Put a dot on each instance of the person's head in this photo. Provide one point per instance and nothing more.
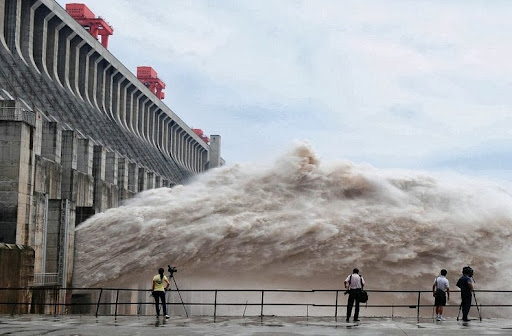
(444, 272)
(161, 272)
(467, 271)
(355, 270)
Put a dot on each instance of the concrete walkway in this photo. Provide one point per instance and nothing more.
(25, 325)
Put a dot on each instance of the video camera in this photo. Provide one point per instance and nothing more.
(171, 270)
(467, 270)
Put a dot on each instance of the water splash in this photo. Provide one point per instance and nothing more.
(302, 223)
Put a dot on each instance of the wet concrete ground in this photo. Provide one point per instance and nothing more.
(25, 325)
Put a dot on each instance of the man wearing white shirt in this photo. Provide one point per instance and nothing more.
(441, 291)
(354, 284)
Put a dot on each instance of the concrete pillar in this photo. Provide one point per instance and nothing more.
(111, 167)
(51, 141)
(122, 178)
(158, 181)
(133, 177)
(142, 179)
(85, 156)
(214, 151)
(69, 161)
(150, 184)
(98, 171)
(16, 167)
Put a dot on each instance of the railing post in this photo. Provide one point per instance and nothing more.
(98, 305)
(117, 299)
(261, 312)
(215, 307)
(418, 307)
(56, 300)
(336, 308)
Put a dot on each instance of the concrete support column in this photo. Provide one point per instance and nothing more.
(51, 141)
(143, 172)
(69, 161)
(133, 177)
(28, 46)
(85, 156)
(111, 167)
(214, 151)
(150, 184)
(16, 170)
(158, 181)
(122, 178)
(98, 171)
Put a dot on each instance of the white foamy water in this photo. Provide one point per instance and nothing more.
(302, 223)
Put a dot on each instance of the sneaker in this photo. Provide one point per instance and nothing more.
(357, 320)
(442, 318)
(347, 320)
(167, 316)
(438, 318)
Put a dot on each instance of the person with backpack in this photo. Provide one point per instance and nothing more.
(441, 291)
(354, 284)
(160, 285)
(465, 283)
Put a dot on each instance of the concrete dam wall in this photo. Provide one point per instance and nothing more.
(79, 133)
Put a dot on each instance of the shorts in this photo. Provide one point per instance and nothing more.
(440, 298)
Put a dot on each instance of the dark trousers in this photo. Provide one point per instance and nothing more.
(465, 304)
(159, 296)
(353, 296)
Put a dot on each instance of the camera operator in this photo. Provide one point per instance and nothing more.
(465, 283)
(354, 284)
(158, 291)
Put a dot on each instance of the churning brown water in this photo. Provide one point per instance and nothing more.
(302, 223)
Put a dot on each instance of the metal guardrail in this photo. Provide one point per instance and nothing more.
(46, 279)
(408, 299)
(18, 114)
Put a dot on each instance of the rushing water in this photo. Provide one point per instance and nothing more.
(302, 223)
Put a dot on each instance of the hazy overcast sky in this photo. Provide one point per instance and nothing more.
(400, 83)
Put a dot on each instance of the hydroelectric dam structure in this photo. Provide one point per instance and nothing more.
(79, 133)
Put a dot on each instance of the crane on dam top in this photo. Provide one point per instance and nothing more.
(95, 25)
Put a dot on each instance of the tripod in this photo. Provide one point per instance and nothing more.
(171, 271)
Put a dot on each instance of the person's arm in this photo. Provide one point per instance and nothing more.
(153, 285)
(434, 287)
(347, 282)
(448, 293)
(470, 285)
(168, 283)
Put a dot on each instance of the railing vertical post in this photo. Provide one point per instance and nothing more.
(117, 300)
(56, 300)
(99, 299)
(418, 309)
(215, 307)
(262, 295)
(336, 308)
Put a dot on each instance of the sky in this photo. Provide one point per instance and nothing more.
(423, 85)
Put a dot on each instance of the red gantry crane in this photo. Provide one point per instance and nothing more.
(95, 25)
(148, 76)
(200, 133)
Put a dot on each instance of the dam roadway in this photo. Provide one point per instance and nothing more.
(245, 326)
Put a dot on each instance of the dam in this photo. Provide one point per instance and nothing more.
(79, 134)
